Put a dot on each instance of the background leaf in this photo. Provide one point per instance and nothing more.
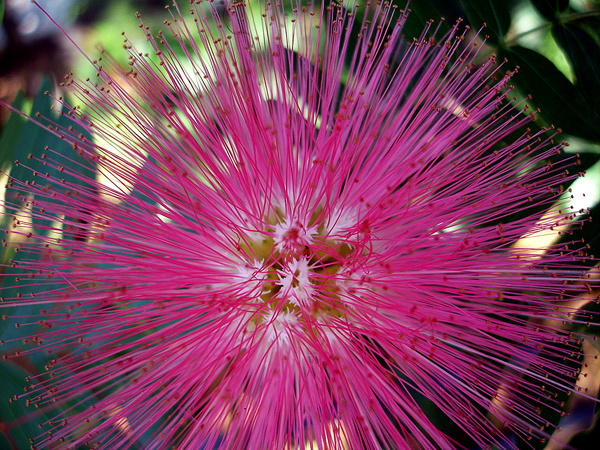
(21, 138)
(11, 133)
(18, 421)
(420, 13)
(561, 103)
(584, 54)
(494, 13)
(550, 8)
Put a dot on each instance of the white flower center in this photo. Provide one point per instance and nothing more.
(295, 283)
(297, 274)
(293, 235)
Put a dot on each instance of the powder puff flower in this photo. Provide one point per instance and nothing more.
(285, 254)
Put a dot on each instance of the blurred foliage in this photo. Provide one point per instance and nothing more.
(556, 55)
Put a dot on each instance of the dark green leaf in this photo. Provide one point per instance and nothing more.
(495, 14)
(21, 422)
(26, 138)
(420, 13)
(561, 103)
(20, 139)
(11, 134)
(550, 8)
(589, 23)
(32, 137)
(584, 54)
(1, 10)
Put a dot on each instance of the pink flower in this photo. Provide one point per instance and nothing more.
(285, 254)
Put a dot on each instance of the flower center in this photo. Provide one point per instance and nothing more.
(297, 274)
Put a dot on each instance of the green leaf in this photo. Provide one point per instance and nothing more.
(550, 8)
(20, 139)
(420, 13)
(584, 54)
(1, 10)
(20, 422)
(561, 103)
(495, 14)
(589, 233)
(11, 134)
(32, 137)
(23, 138)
